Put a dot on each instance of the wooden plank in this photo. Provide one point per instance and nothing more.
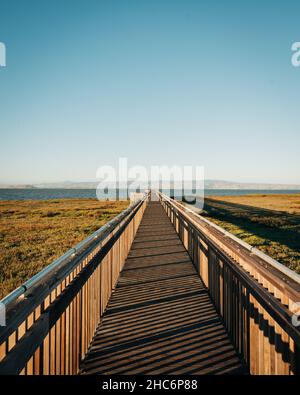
(160, 314)
(25, 348)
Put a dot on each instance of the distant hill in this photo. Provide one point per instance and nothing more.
(208, 184)
(17, 186)
(219, 184)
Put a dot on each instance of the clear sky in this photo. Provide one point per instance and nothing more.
(160, 81)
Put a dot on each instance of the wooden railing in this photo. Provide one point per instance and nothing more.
(254, 298)
(51, 319)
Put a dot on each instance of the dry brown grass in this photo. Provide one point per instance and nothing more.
(269, 222)
(35, 232)
(285, 203)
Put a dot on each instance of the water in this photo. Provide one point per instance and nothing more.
(55, 193)
(240, 192)
(44, 194)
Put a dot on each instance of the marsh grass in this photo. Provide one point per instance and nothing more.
(35, 232)
(269, 222)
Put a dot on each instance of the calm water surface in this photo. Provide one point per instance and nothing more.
(44, 194)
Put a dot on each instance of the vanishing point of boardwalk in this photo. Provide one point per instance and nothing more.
(160, 319)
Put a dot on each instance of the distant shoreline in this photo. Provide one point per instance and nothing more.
(70, 193)
(208, 184)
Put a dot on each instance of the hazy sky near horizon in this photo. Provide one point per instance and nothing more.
(170, 82)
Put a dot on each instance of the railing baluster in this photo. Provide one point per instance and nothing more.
(242, 291)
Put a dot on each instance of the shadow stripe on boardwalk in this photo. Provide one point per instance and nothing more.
(160, 319)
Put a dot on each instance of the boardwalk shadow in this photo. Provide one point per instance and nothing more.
(270, 225)
(160, 319)
(162, 333)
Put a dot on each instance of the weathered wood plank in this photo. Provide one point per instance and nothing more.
(160, 318)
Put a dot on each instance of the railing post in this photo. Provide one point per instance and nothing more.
(255, 304)
(65, 302)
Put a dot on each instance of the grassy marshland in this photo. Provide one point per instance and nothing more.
(35, 232)
(269, 222)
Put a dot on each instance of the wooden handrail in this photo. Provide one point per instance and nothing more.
(52, 320)
(253, 299)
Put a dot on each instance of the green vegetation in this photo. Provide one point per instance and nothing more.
(269, 222)
(34, 232)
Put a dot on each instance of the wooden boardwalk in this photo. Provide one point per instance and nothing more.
(160, 319)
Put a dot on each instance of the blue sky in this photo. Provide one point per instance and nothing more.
(160, 82)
